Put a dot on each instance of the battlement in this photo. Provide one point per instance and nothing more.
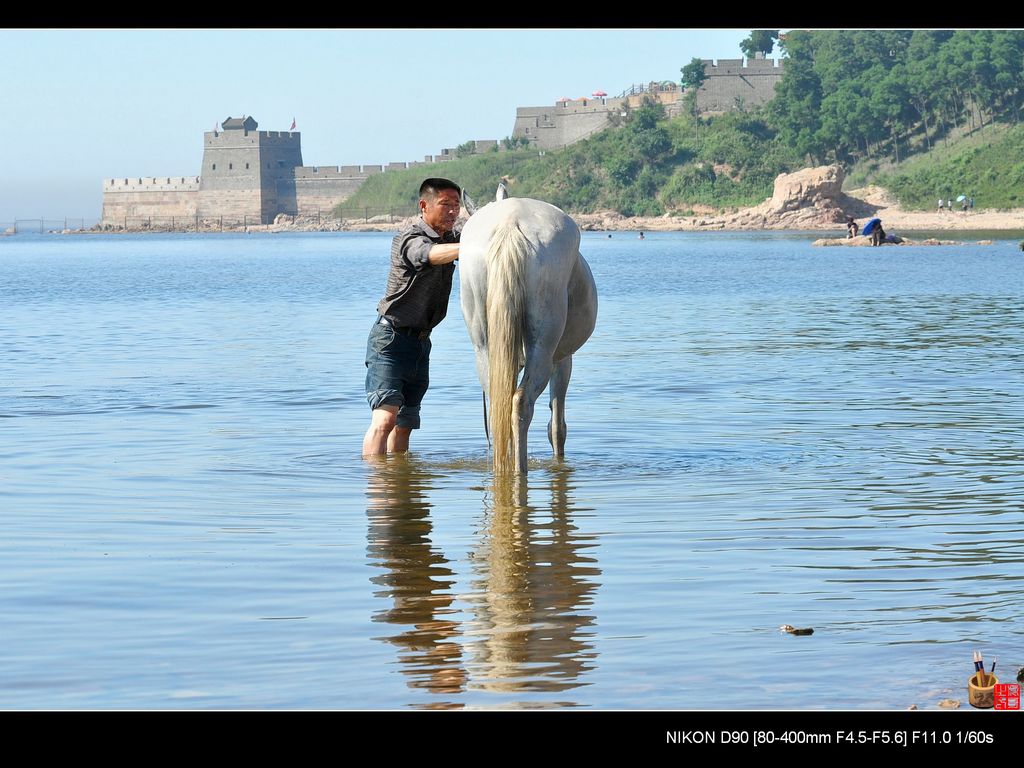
(242, 138)
(345, 171)
(732, 85)
(151, 184)
(290, 135)
(736, 67)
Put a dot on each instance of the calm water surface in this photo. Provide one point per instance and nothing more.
(760, 433)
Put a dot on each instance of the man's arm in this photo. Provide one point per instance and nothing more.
(418, 252)
(443, 254)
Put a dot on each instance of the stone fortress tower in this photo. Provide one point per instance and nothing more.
(248, 173)
(248, 177)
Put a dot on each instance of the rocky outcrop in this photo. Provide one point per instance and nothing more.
(864, 240)
(807, 199)
(810, 188)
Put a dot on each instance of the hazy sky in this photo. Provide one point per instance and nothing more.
(81, 105)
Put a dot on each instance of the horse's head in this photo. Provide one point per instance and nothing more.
(470, 207)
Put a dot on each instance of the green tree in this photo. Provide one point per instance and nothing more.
(693, 74)
(795, 111)
(515, 142)
(694, 77)
(465, 150)
(760, 41)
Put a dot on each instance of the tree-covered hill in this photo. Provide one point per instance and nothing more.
(646, 166)
(924, 113)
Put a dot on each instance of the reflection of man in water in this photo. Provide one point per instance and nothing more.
(415, 576)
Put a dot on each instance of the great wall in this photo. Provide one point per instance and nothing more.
(252, 176)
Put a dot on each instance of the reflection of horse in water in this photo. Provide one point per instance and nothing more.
(532, 607)
(526, 624)
(529, 301)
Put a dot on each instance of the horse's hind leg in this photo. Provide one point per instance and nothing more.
(535, 378)
(557, 389)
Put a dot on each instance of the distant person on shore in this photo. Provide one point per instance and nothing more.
(942, 205)
(851, 228)
(971, 201)
(874, 229)
(415, 300)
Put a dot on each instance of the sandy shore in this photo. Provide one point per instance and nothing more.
(893, 219)
(862, 204)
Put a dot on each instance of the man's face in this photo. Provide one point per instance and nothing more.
(441, 211)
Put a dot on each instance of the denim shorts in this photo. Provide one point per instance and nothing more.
(397, 372)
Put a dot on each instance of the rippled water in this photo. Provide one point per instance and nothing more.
(760, 433)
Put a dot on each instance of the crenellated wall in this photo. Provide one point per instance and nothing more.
(732, 85)
(566, 122)
(319, 188)
(154, 196)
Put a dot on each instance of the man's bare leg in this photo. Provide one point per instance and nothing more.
(398, 440)
(382, 425)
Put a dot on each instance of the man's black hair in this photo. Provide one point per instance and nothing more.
(431, 187)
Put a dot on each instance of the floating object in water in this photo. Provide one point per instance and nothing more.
(794, 631)
(950, 704)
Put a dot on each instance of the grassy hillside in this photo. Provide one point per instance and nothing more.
(870, 100)
(988, 165)
(479, 175)
(651, 166)
(647, 166)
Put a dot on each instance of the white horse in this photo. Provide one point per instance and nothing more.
(529, 301)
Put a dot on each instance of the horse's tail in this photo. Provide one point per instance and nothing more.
(506, 312)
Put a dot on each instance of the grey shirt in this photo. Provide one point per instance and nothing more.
(417, 291)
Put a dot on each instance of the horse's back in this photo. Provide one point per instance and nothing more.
(552, 233)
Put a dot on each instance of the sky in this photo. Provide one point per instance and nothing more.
(81, 105)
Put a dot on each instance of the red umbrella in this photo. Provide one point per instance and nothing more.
(599, 93)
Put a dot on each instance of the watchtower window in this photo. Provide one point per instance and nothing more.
(215, 166)
(247, 166)
(280, 163)
(231, 166)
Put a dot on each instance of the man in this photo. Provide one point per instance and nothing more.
(416, 299)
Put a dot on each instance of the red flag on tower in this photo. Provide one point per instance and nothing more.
(293, 125)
